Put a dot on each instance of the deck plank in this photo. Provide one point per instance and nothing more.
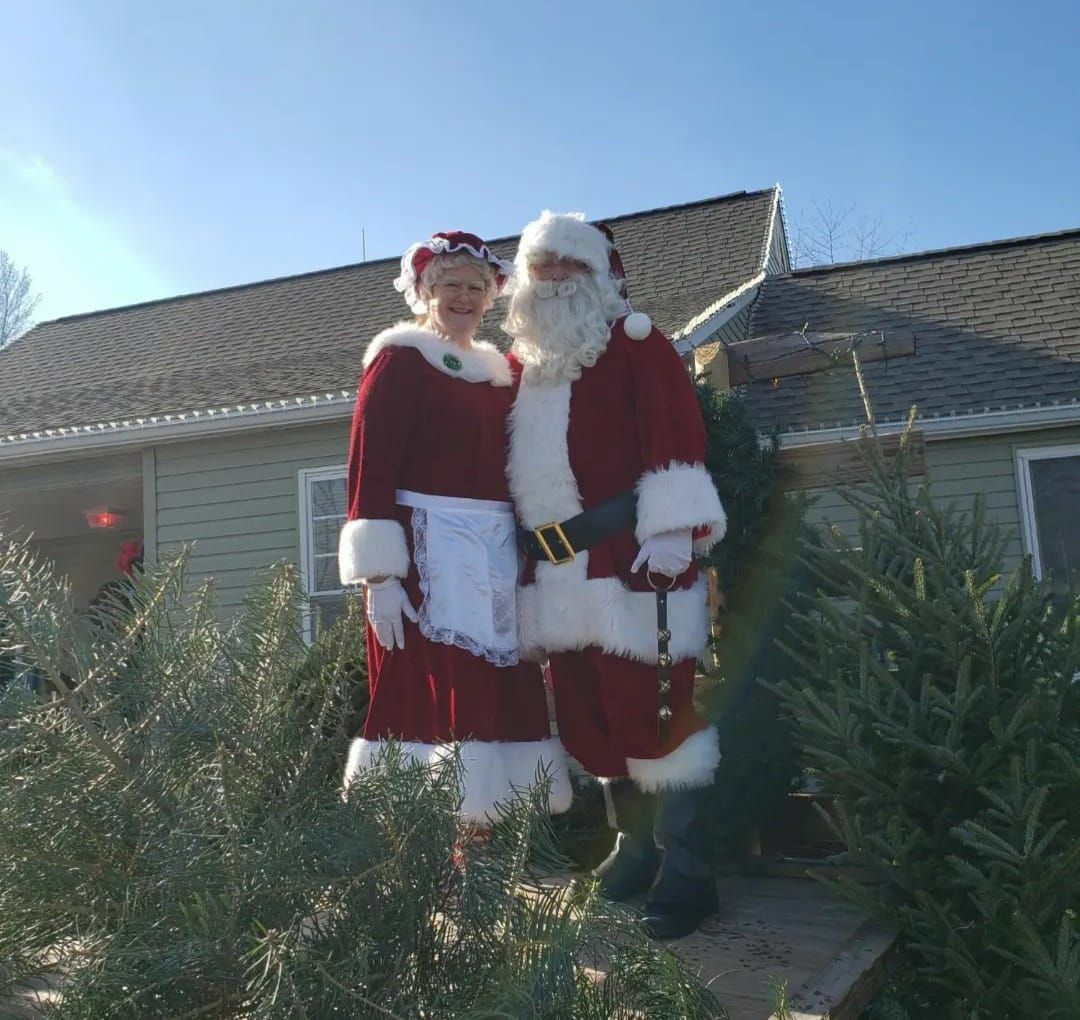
(790, 931)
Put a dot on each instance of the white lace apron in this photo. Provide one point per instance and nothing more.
(466, 553)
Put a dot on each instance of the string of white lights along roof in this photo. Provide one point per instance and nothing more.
(151, 421)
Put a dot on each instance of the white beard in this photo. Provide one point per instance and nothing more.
(560, 328)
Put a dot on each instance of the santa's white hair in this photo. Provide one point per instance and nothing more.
(561, 327)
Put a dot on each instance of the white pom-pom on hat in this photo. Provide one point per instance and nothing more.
(637, 325)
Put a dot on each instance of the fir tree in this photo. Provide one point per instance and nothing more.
(171, 828)
(937, 699)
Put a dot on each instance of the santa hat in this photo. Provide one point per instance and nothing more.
(568, 236)
(448, 242)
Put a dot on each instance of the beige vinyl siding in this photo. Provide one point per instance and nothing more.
(960, 468)
(69, 473)
(828, 509)
(235, 499)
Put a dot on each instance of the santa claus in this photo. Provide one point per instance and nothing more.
(606, 469)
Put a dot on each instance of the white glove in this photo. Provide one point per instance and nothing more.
(386, 602)
(669, 552)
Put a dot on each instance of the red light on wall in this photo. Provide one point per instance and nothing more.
(104, 518)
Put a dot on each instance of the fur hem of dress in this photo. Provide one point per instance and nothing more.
(372, 548)
(491, 773)
(483, 362)
(690, 765)
(565, 611)
(680, 496)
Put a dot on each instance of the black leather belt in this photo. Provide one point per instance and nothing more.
(560, 542)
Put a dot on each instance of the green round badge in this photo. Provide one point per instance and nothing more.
(452, 362)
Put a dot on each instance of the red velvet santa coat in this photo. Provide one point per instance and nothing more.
(631, 422)
(431, 418)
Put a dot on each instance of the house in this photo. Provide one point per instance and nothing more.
(221, 419)
(996, 380)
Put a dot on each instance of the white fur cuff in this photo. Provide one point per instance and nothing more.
(690, 765)
(679, 496)
(372, 548)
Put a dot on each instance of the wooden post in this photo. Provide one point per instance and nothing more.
(778, 357)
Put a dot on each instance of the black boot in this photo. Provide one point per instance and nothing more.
(685, 891)
(630, 868)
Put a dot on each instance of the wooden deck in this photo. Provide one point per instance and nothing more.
(791, 932)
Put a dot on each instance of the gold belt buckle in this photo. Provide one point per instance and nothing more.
(558, 561)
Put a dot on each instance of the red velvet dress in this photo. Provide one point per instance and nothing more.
(431, 420)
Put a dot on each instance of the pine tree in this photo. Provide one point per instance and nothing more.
(935, 697)
(172, 831)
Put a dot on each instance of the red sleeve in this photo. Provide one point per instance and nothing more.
(675, 490)
(373, 543)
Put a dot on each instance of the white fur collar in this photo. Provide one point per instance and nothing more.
(483, 363)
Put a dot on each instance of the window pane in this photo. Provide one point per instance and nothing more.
(325, 535)
(1055, 482)
(328, 497)
(326, 577)
(326, 611)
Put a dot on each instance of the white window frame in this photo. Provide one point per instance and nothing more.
(305, 478)
(1029, 532)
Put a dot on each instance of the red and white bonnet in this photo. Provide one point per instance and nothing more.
(419, 256)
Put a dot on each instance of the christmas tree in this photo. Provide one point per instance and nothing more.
(936, 698)
(172, 835)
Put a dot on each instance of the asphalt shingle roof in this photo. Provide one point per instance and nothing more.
(997, 325)
(306, 334)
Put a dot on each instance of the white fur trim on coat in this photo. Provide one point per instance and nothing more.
(482, 362)
(566, 235)
(691, 764)
(492, 773)
(565, 610)
(372, 548)
(679, 496)
(538, 462)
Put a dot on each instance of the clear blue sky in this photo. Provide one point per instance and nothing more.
(150, 149)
